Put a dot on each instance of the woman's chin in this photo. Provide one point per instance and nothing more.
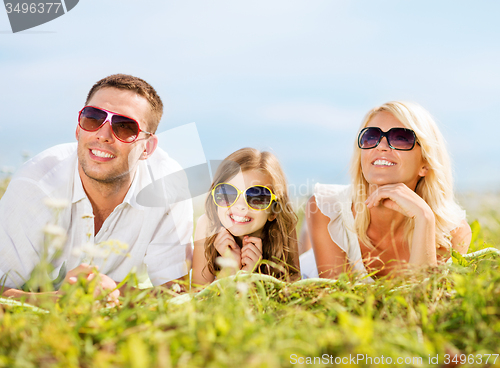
(380, 180)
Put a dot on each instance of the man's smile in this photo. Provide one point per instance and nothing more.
(100, 155)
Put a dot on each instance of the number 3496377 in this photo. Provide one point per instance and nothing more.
(32, 8)
(471, 358)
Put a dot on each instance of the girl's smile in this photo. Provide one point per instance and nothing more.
(239, 219)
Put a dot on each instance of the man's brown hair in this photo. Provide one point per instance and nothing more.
(137, 85)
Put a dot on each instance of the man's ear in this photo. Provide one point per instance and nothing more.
(151, 144)
(77, 131)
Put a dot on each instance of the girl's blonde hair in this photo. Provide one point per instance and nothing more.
(279, 236)
(436, 188)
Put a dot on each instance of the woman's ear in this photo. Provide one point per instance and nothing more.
(424, 169)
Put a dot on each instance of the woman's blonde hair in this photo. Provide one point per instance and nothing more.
(436, 188)
(279, 240)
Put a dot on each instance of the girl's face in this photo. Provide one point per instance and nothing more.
(240, 219)
(384, 165)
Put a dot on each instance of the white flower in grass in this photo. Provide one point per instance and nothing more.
(242, 287)
(225, 262)
(92, 251)
(177, 288)
(57, 235)
(56, 203)
(55, 230)
(114, 246)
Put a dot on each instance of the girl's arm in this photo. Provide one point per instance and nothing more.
(330, 259)
(200, 275)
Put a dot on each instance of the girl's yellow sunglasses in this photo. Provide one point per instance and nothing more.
(257, 197)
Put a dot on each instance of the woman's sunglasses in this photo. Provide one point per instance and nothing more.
(124, 128)
(398, 138)
(257, 197)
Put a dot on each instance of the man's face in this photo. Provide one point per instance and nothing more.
(101, 156)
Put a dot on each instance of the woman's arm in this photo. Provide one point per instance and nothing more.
(423, 245)
(330, 259)
(461, 237)
(201, 274)
(399, 197)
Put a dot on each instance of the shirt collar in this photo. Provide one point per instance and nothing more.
(130, 197)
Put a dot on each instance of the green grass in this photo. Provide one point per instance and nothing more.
(249, 322)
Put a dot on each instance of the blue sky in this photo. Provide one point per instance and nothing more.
(294, 77)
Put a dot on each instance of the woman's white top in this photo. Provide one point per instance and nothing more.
(335, 201)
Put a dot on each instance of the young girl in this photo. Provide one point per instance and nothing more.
(248, 217)
(400, 209)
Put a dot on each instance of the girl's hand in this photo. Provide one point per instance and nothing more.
(251, 252)
(399, 197)
(225, 243)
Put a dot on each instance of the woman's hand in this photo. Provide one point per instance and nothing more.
(225, 244)
(399, 197)
(251, 252)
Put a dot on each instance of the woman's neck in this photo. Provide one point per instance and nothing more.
(384, 219)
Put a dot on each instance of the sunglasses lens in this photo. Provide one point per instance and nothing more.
(258, 198)
(91, 118)
(401, 138)
(124, 128)
(225, 195)
(369, 138)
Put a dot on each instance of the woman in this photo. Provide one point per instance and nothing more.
(400, 210)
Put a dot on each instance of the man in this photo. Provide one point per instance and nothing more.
(102, 178)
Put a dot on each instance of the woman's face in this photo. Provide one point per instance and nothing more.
(384, 165)
(240, 219)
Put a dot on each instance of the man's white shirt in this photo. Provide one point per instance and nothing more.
(155, 220)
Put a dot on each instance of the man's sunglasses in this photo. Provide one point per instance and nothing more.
(398, 138)
(124, 128)
(257, 197)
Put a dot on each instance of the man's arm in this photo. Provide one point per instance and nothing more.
(84, 270)
(168, 256)
(32, 298)
(23, 215)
